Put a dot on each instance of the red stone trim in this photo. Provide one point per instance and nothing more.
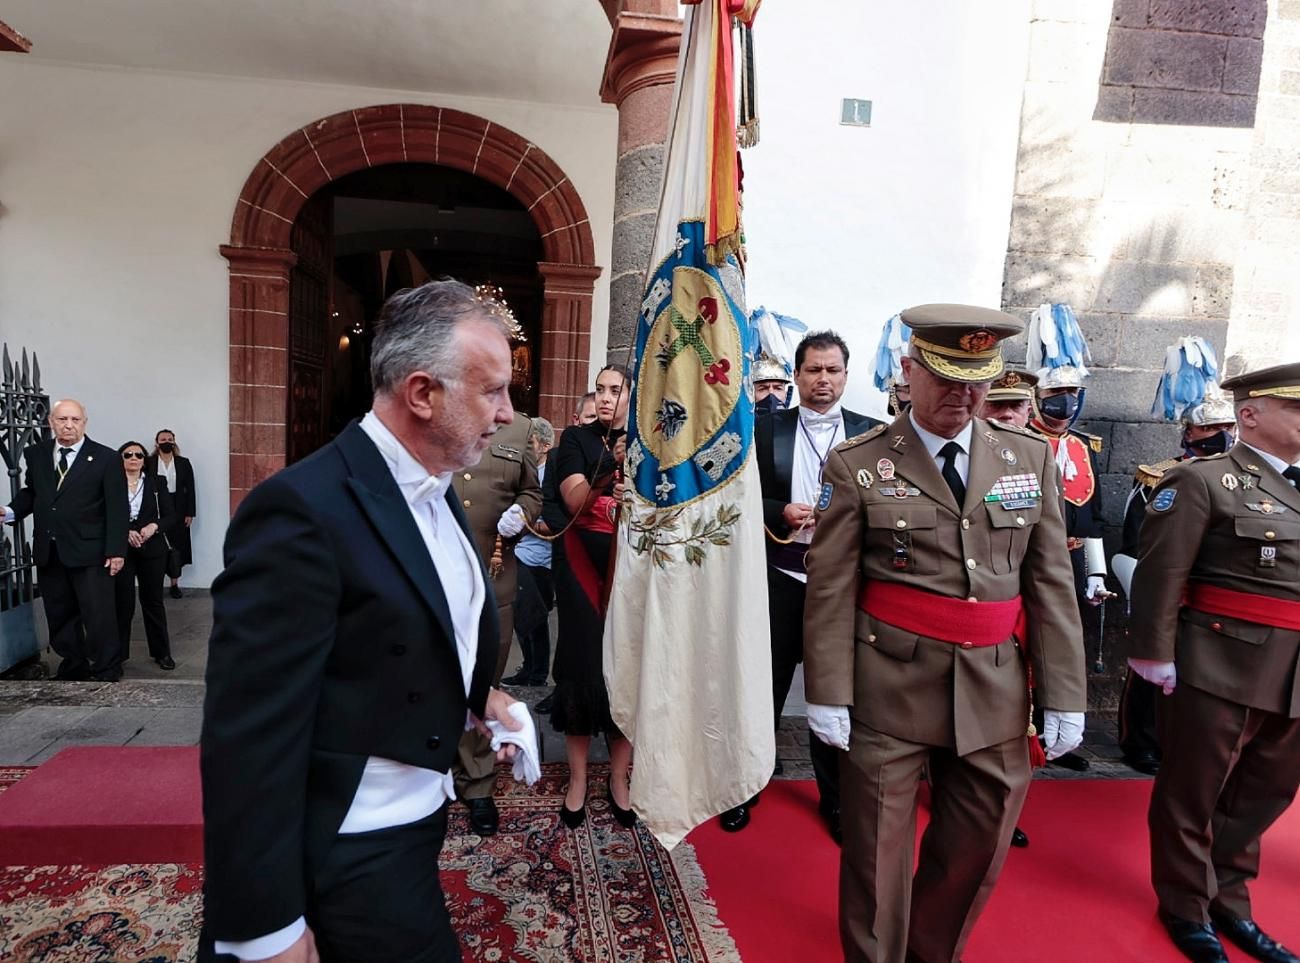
(313, 156)
(11, 41)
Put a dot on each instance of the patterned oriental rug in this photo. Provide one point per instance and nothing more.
(535, 892)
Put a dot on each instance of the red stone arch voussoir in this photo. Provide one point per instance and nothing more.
(314, 156)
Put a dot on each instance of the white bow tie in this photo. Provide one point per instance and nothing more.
(815, 419)
(431, 489)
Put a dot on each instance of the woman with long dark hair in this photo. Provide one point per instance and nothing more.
(587, 467)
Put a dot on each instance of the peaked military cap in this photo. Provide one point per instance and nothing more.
(1016, 384)
(1279, 381)
(960, 342)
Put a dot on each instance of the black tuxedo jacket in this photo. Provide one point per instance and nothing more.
(774, 437)
(156, 507)
(185, 497)
(332, 641)
(86, 515)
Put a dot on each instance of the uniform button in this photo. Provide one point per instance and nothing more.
(965, 645)
(434, 742)
(468, 477)
(398, 649)
(965, 523)
(1270, 534)
(971, 598)
(413, 697)
(1217, 626)
(1020, 520)
(467, 503)
(901, 523)
(871, 638)
(970, 563)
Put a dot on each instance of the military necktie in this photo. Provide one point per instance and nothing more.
(949, 453)
(1292, 474)
(63, 463)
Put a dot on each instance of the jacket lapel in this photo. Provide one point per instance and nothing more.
(986, 465)
(78, 467)
(1267, 479)
(913, 463)
(784, 424)
(374, 488)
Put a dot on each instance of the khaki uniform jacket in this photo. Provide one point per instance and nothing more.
(1231, 521)
(922, 689)
(506, 475)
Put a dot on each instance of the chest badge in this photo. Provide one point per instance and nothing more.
(865, 478)
(885, 469)
(1266, 507)
(1268, 556)
(1016, 491)
(1229, 481)
(1247, 482)
(1008, 456)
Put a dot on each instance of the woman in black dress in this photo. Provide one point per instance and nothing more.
(152, 519)
(178, 473)
(587, 468)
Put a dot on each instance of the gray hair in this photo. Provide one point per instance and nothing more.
(416, 332)
(544, 431)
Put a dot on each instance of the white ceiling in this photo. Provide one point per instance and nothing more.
(549, 51)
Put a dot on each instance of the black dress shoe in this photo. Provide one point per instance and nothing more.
(1072, 761)
(1196, 941)
(1145, 762)
(544, 706)
(573, 818)
(1019, 839)
(176, 592)
(1249, 938)
(167, 662)
(734, 820)
(483, 816)
(517, 680)
(624, 817)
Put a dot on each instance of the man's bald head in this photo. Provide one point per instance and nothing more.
(68, 421)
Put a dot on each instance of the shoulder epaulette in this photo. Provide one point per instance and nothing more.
(1095, 442)
(859, 439)
(1024, 432)
(1151, 474)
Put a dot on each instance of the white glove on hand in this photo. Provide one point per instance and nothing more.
(1062, 732)
(527, 763)
(1096, 584)
(511, 522)
(1158, 673)
(830, 724)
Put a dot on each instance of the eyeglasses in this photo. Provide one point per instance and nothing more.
(132, 454)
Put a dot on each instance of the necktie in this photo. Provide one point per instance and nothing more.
(949, 453)
(1292, 474)
(63, 462)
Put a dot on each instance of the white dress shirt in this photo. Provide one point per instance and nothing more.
(815, 435)
(167, 469)
(393, 793)
(134, 498)
(933, 443)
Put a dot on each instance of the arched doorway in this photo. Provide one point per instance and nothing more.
(262, 257)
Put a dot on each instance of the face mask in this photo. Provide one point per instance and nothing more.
(1061, 407)
(769, 404)
(1216, 444)
(166, 448)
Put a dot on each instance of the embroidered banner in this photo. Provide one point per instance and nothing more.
(687, 656)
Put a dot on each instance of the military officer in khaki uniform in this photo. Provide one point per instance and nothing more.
(498, 495)
(916, 657)
(1216, 624)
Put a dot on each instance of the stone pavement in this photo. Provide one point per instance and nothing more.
(150, 707)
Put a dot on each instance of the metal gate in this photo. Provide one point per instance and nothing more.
(24, 421)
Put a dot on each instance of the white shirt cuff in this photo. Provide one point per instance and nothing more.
(9, 514)
(264, 946)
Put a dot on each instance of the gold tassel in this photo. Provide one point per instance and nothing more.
(497, 565)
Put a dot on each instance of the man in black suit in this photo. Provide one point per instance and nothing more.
(791, 447)
(77, 491)
(354, 637)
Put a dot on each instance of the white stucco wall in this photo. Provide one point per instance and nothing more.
(847, 225)
(116, 188)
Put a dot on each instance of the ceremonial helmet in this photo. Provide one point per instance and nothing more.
(1056, 351)
(767, 368)
(1188, 390)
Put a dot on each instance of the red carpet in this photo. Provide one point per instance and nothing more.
(1079, 894)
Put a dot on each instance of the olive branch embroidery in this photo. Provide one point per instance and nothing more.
(661, 529)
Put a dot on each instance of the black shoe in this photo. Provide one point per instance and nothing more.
(483, 816)
(1072, 761)
(1248, 937)
(537, 682)
(517, 680)
(166, 662)
(1019, 839)
(573, 818)
(176, 592)
(1196, 941)
(544, 706)
(1144, 761)
(734, 820)
(624, 817)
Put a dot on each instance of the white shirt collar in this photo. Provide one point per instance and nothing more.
(933, 442)
(417, 485)
(1278, 464)
(76, 449)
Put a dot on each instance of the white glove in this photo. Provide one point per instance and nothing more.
(1096, 584)
(511, 522)
(1062, 732)
(830, 724)
(527, 761)
(1158, 673)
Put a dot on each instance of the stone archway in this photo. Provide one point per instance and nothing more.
(325, 150)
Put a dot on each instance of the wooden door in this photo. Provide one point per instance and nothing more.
(309, 305)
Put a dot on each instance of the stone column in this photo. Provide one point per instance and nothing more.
(566, 337)
(639, 75)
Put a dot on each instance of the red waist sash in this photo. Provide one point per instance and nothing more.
(940, 617)
(1261, 609)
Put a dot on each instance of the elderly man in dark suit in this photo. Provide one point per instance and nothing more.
(354, 639)
(791, 447)
(77, 491)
